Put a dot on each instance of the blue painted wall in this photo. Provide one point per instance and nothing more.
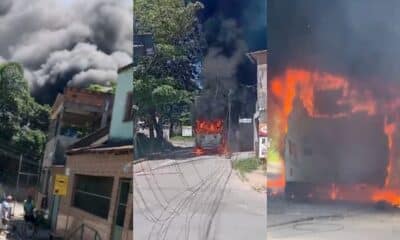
(120, 130)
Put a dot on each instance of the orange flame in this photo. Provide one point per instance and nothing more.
(334, 192)
(209, 127)
(389, 196)
(199, 151)
(389, 129)
(304, 85)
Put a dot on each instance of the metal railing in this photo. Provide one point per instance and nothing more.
(79, 233)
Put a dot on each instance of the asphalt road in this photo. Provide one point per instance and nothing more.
(198, 199)
(330, 221)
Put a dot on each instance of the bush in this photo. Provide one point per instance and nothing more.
(246, 165)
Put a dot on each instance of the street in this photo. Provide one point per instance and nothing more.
(17, 221)
(330, 221)
(195, 198)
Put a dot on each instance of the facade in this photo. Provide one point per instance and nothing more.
(99, 168)
(75, 113)
(122, 124)
(99, 194)
(260, 116)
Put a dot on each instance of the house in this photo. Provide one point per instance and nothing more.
(260, 116)
(75, 113)
(99, 193)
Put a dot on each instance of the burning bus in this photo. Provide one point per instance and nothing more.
(334, 140)
(209, 134)
(209, 124)
(323, 152)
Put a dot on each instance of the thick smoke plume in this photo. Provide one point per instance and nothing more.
(58, 45)
(355, 39)
(232, 29)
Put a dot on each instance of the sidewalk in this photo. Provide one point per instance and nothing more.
(256, 179)
(17, 220)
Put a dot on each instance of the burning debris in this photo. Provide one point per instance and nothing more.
(361, 165)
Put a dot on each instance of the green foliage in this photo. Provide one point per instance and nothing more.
(185, 118)
(103, 89)
(163, 83)
(246, 165)
(22, 120)
(273, 154)
(32, 141)
(169, 20)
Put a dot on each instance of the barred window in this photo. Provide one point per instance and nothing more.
(93, 194)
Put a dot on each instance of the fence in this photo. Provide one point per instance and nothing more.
(20, 175)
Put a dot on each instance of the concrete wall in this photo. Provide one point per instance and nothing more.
(121, 130)
(95, 164)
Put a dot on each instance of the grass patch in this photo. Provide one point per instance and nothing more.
(246, 165)
(181, 138)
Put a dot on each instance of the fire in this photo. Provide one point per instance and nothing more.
(389, 129)
(209, 127)
(199, 151)
(334, 192)
(305, 85)
(389, 196)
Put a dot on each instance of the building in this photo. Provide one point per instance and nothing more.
(260, 116)
(99, 193)
(122, 124)
(74, 114)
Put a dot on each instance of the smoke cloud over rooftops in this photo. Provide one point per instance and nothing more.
(76, 44)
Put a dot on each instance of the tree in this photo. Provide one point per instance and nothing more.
(164, 83)
(23, 122)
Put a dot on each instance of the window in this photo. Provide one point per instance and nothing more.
(122, 202)
(128, 107)
(292, 149)
(93, 194)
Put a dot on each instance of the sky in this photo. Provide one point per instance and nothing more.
(74, 43)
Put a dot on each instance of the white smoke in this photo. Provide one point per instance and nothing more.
(58, 45)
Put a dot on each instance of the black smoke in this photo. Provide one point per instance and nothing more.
(58, 45)
(232, 29)
(5, 6)
(358, 39)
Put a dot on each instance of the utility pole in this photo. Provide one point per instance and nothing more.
(135, 108)
(19, 171)
(229, 122)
